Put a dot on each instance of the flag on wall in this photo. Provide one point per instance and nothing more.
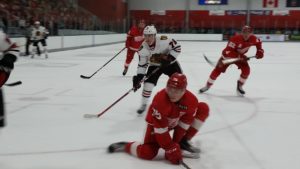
(270, 3)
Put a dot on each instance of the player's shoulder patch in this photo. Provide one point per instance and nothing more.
(163, 37)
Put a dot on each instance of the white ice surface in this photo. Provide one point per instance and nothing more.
(46, 129)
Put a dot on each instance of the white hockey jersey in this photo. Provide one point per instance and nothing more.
(6, 46)
(163, 45)
(39, 33)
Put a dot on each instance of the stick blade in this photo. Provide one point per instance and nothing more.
(14, 83)
(209, 61)
(85, 77)
(90, 116)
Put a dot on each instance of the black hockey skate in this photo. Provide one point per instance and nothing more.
(185, 145)
(203, 89)
(117, 147)
(239, 89)
(189, 151)
(125, 71)
(141, 109)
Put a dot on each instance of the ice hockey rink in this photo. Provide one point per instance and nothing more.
(46, 129)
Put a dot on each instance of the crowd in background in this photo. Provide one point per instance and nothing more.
(16, 15)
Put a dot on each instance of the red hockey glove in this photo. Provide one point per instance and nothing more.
(259, 53)
(173, 153)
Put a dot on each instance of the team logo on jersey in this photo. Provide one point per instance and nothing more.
(181, 113)
(173, 122)
(156, 58)
(163, 37)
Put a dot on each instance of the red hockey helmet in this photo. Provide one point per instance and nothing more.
(178, 81)
(176, 86)
(247, 29)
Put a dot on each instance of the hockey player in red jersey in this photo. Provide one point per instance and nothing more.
(133, 42)
(237, 47)
(9, 52)
(173, 108)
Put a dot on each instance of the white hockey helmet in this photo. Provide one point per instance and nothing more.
(150, 30)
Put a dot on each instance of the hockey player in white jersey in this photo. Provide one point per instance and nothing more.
(155, 52)
(8, 55)
(39, 35)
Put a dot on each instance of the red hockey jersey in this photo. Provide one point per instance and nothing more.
(134, 38)
(165, 115)
(237, 46)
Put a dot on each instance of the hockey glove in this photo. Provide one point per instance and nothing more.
(259, 53)
(137, 81)
(173, 153)
(8, 61)
(166, 61)
(164, 64)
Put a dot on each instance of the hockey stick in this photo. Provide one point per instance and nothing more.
(88, 77)
(14, 83)
(226, 61)
(209, 61)
(183, 164)
(132, 89)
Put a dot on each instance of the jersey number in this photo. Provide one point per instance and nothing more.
(231, 44)
(156, 114)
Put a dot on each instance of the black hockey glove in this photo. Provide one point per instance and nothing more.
(8, 61)
(137, 81)
(166, 61)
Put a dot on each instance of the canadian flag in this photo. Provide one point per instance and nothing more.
(270, 3)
